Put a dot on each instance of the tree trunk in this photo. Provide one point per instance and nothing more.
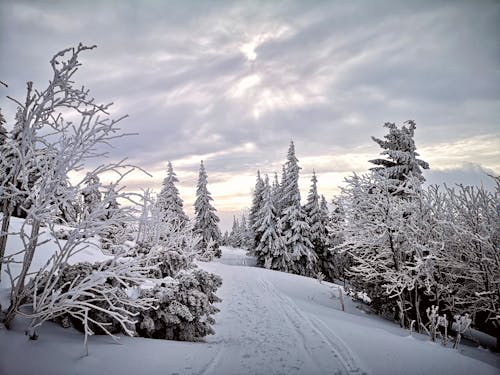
(3, 233)
(417, 311)
(16, 295)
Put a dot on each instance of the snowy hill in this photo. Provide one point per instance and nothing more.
(270, 323)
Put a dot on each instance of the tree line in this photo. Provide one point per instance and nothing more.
(427, 257)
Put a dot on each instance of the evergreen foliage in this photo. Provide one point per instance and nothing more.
(169, 201)
(206, 220)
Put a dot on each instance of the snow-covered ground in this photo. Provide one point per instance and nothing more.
(270, 323)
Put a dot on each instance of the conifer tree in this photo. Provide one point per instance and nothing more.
(235, 236)
(294, 224)
(253, 218)
(314, 213)
(399, 147)
(170, 203)
(270, 252)
(206, 220)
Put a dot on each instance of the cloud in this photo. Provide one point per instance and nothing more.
(200, 80)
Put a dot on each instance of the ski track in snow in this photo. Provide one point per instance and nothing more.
(274, 336)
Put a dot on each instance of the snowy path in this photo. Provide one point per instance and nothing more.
(263, 331)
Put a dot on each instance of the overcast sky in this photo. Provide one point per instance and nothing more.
(233, 82)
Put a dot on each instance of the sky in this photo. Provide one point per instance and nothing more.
(232, 83)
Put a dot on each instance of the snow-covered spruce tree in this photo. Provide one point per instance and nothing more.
(53, 147)
(91, 194)
(253, 216)
(339, 261)
(235, 235)
(247, 235)
(293, 223)
(169, 200)
(317, 214)
(183, 295)
(206, 220)
(225, 239)
(402, 157)
(270, 252)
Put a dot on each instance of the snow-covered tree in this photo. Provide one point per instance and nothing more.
(235, 235)
(169, 200)
(270, 252)
(339, 261)
(317, 217)
(247, 235)
(463, 237)
(253, 216)
(49, 148)
(91, 194)
(379, 240)
(206, 220)
(293, 223)
(401, 155)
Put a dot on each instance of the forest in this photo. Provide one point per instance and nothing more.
(426, 257)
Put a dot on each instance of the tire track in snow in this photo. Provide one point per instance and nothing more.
(297, 316)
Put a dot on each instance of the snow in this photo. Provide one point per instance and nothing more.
(270, 323)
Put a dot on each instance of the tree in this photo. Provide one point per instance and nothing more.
(340, 261)
(317, 214)
(235, 236)
(293, 223)
(379, 240)
(169, 201)
(206, 220)
(48, 147)
(257, 202)
(91, 194)
(270, 252)
(399, 147)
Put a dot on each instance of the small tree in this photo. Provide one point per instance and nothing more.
(169, 201)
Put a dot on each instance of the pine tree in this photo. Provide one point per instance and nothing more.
(206, 220)
(253, 218)
(315, 215)
(399, 147)
(91, 194)
(293, 223)
(339, 261)
(246, 234)
(270, 252)
(235, 236)
(170, 203)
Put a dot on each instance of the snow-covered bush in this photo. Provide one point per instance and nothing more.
(184, 307)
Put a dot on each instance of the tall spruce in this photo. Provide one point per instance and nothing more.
(253, 216)
(206, 220)
(314, 213)
(170, 203)
(293, 223)
(270, 252)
